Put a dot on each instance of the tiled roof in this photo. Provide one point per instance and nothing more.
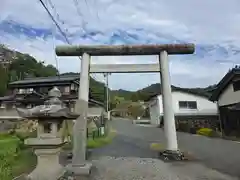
(45, 80)
(184, 90)
(224, 83)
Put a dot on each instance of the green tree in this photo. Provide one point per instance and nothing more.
(25, 65)
(3, 80)
(135, 97)
(136, 110)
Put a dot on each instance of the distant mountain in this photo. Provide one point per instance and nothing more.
(122, 93)
(155, 89)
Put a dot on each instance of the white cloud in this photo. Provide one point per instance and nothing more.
(212, 25)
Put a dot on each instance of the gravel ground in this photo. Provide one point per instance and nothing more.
(127, 168)
(110, 168)
(129, 157)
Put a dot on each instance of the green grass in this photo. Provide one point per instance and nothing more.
(14, 160)
(96, 142)
(100, 141)
(25, 162)
(9, 144)
(157, 146)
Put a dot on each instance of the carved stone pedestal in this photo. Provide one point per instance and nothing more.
(47, 151)
(168, 155)
(81, 169)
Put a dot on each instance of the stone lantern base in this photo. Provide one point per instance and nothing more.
(47, 151)
(80, 169)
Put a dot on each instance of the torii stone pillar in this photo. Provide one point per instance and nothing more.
(79, 164)
(168, 113)
(121, 50)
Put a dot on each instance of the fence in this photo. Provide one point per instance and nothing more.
(97, 127)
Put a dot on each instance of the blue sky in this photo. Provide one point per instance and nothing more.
(212, 25)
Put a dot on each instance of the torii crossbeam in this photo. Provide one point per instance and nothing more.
(79, 164)
(124, 50)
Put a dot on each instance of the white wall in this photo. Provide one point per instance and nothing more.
(204, 106)
(229, 96)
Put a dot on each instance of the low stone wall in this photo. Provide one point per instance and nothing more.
(8, 112)
(8, 119)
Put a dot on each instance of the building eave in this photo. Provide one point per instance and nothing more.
(224, 82)
(183, 90)
(44, 81)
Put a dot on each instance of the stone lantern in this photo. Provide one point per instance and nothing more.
(48, 144)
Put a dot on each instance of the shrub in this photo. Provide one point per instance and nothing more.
(22, 136)
(205, 132)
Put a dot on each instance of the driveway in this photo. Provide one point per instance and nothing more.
(218, 154)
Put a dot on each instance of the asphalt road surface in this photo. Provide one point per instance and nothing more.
(134, 141)
(124, 144)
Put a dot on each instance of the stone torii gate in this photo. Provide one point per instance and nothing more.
(79, 164)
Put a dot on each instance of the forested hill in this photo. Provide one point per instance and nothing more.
(22, 65)
(17, 66)
(145, 93)
(156, 89)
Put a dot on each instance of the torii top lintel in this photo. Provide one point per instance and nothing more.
(124, 50)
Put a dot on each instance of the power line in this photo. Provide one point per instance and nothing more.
(96, 11)
(76, 3)
(54, 46)
(57, 15)
(56, 23)
(94, 76)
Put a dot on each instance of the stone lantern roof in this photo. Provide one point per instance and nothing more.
(53, 108)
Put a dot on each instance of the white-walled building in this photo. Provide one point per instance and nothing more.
(227, 96)
(185, 104)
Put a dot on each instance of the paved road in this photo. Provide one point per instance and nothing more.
(125, 145)
(133, 140)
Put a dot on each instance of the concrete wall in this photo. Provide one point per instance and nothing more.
(12, 113)
(9, 117)
(154, 111)
(95, 111)
(8, 112)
